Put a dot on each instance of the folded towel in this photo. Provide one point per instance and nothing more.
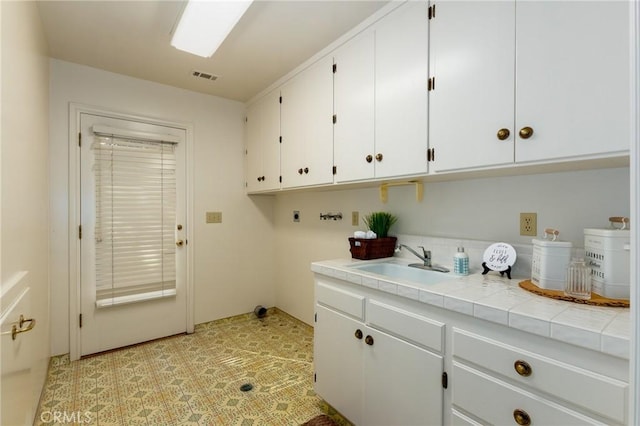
(371, 235)
(359, 234)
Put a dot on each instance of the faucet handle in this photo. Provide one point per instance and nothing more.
(425, 253)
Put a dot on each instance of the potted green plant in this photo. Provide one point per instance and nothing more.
(381, 246)
(380, 222)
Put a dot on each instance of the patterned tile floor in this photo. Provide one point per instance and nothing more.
(193, 379)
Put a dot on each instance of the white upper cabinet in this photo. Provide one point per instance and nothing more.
(263, 144)
(528, 82)
(353, 137)
(472, 62)
(401, 97)
(572, 84)
(381, 98)
(307, 127)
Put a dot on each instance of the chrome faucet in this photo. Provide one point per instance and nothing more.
(425, 257)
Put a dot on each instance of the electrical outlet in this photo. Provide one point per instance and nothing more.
(214, 217)
(355, 218)
(529, 224)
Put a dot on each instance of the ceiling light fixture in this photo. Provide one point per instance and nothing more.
(206, 23)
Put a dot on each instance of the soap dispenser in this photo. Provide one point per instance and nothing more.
(461, 262)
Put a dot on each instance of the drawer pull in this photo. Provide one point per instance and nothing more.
(521, 417)
(358, 334)
(522, 368)
(368, 340)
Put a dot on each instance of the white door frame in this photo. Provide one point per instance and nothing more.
(75, 109)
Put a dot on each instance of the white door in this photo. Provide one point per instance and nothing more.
(133, 247)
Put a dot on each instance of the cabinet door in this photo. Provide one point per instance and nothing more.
(307, 126)
(337, 359)
(354, 108)
(572, 83)
(402, 383)
(401, 76)
(472, 61)
(263, 144)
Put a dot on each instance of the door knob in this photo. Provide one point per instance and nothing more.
(503, 134)
(379, 157)
(179, 243)
(522, 368)
(358, 334)
(526, 132)
(306, 170)
(368, 340)
(369, 158)
(521, 417)
(299, 171)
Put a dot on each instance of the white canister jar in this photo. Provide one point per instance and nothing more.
(549, 263)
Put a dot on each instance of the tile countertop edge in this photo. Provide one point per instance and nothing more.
(507, 303)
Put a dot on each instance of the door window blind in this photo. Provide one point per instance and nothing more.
(135, 204)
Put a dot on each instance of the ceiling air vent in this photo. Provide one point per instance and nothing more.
(205, 75)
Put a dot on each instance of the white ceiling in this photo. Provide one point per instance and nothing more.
(133, 38)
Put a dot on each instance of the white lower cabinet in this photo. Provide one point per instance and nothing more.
(375, 377)
(499, 383)
(381, 359)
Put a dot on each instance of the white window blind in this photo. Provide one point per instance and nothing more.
(135, 208)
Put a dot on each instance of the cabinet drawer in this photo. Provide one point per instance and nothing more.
(342, 300)
(497, 402)
(601, 394)
(406, 325)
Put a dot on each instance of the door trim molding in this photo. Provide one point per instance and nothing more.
(75, 109)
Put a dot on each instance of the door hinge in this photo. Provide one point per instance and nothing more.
(280, 139)
(280, 99)
(79, 139)
(335, 118)
(431, 85)
(280, 178)
(428, 155)
(433, 154)
(315, 317)
(315, 378)
(432, 11)
(335, 170)
(445, 380)
(335, 68)
(80, 320)
(246, 119)
(80, 232)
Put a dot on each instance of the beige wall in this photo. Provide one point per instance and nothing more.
(482, 209)
(233, 272)
(24, 209)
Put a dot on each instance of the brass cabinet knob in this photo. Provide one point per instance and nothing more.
(179, 243)
(369, 158)
(358, 334)
(379, 157)
(300, 171)
(522, 368)
(306, 170)
(526, 132)
(503, 134)
(368, 340)
(521, 417)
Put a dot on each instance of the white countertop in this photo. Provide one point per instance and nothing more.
(500, 300)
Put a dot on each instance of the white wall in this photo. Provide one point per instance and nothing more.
(24, 209)
(466, 209)
(233, 270)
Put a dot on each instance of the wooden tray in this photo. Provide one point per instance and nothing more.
(596, 299)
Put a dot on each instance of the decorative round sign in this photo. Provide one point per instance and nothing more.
(499, 256)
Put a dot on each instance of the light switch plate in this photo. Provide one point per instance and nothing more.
(355, 218)
(214, 217)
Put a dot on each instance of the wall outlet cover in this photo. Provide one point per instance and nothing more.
(529, 224)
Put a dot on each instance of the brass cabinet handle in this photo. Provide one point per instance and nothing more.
(526, 132)
(522, 368)
(300, 171)
(379, 157)
(368, 340)
(306, 170)
(358, 334)
(369, 158)
(503, 134)
(521, 417)
(179, 243)
(17, 329)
